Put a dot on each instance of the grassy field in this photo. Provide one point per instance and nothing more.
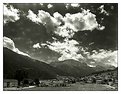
(75, 87)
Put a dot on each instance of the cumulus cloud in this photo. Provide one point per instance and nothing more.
(104, 57)
(72, 23)
(68, 49)
(75, 5)
(65, 31)
(36, 46)
(10, 14)
(8, 43)
(101, 27)
(47, 19)
(41, 4)
(66, 26)
(81, 21)
(44, 18)
(58, 17)
(67, 5)
(102, 10)
(49, 5)
(78, 22)
(32, 16)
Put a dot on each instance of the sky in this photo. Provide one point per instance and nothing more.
(50, 32)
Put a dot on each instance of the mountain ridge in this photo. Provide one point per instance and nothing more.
(77, 68)
(37, 69)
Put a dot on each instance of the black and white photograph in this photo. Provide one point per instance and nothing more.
(60, 47)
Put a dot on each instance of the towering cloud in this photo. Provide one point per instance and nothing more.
(10, 14)
(8, 43)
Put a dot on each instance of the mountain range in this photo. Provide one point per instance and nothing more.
(38, 69)
(78, 69)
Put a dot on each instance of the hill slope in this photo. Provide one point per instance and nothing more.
(76, 68)
(73, 68)
(35, 69)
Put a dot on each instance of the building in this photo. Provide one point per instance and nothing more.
(10, 83)
(98, 81)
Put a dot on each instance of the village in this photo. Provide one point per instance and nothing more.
(108, 78)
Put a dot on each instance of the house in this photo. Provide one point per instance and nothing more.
(45, 83)
(10, 83)
(99, 81)
(58, 83)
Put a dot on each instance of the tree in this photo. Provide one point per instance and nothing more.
(37, 82)
(20, 75)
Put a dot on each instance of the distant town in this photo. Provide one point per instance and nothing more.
(108, 78)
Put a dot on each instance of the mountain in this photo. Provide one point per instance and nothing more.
(73, 68)
(76, 68)
(12, 62)
(115, 70)
(100, 65)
